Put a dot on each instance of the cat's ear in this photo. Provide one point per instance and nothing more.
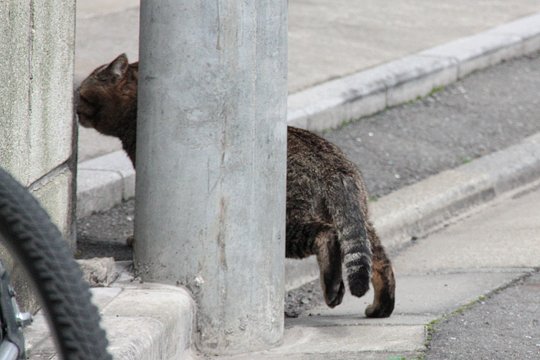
(118, 67)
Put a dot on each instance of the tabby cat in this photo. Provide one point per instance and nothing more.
(327, 213)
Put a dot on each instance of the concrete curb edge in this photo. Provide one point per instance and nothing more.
(416, 210)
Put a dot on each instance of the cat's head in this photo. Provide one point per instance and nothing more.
(107, 98)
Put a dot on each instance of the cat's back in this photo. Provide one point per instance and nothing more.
(309, 151)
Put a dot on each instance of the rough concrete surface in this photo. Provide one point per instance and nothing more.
(36, 122)
(490, 235)
(36, 96)
(503, 326)
(104, 234)
(54, 192)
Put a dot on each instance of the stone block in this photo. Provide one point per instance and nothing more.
(98, 271)
(333, 103)
(117, 162)
(97, 190)
(166, 315)
(416, 76)
(54, 193)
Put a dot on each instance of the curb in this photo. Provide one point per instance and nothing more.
(147, 321)
(144, 321)
(416, 210)
(104, 182)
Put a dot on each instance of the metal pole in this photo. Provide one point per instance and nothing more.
(211, 165)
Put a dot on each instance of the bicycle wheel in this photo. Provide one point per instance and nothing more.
(38, 247)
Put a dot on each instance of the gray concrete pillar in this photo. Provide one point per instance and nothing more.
(211, 163)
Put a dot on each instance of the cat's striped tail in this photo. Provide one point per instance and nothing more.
(350, 222)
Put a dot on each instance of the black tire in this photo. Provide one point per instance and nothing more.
(39, 248)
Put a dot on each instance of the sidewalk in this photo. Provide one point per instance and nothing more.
(377, 67)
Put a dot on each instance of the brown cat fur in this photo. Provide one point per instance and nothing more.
(327, 213)
(107, 102)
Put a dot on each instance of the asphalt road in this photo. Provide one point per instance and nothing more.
(490, 110)
(504, 326)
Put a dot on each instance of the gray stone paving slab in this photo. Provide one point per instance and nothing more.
(103, 295)
(504, 234)
(338, 355)
(425, 294)
(97, 190)
(99, 39)
(312, 319)
(92, 144)
(301, 343)
(87, 9)
(351, 338)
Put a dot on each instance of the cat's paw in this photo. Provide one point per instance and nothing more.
(334, 299)
(380, 310)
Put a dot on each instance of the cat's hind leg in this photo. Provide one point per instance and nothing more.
(328, 254)
(383, 280)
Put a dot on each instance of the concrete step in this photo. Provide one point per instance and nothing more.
(144, 321)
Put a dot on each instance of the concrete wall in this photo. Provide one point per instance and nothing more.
(36, 122)
(36, 102)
